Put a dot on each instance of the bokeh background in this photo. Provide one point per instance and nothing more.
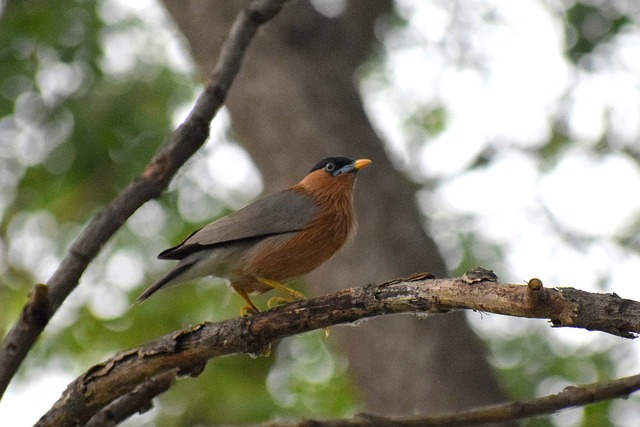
(518, 124)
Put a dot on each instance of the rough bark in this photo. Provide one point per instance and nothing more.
(129, 380)
(295, 102)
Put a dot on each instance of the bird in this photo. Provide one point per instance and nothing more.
(277, 238)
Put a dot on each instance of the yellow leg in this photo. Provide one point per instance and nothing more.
(250, 308)
(295, 295)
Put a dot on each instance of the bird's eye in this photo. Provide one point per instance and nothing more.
(330, 167)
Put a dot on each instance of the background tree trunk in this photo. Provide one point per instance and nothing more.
(294, 103)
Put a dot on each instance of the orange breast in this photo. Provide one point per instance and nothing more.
(288, 256)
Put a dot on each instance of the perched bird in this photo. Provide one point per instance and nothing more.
(276, 238)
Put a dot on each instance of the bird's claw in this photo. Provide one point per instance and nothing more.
(264, 352)
(248, 311)
(278, 301)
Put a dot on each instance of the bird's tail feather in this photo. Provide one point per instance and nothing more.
(163, 281)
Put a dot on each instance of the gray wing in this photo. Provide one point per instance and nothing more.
(278, 213)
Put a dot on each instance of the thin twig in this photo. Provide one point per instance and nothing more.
(189, 350)
(182, 144)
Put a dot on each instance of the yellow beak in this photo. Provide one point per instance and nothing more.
(360, 163)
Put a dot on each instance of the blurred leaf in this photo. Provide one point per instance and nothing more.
(431, 120)
(553, 147)
(589, 25)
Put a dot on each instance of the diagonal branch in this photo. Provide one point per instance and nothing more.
(182, 144)
(189, 350)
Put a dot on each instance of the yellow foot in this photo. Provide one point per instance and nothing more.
(278, 301)
(248, 311)
(266, 352)
(293, 295)
(263, 352)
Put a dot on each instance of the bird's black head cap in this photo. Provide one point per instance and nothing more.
(335, 165)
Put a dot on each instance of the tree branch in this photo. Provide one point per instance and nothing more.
(182, 144)
(189, 350)
(139, 400)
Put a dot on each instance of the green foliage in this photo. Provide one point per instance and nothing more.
(104, 128)
(73, 132)
(230, 390)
